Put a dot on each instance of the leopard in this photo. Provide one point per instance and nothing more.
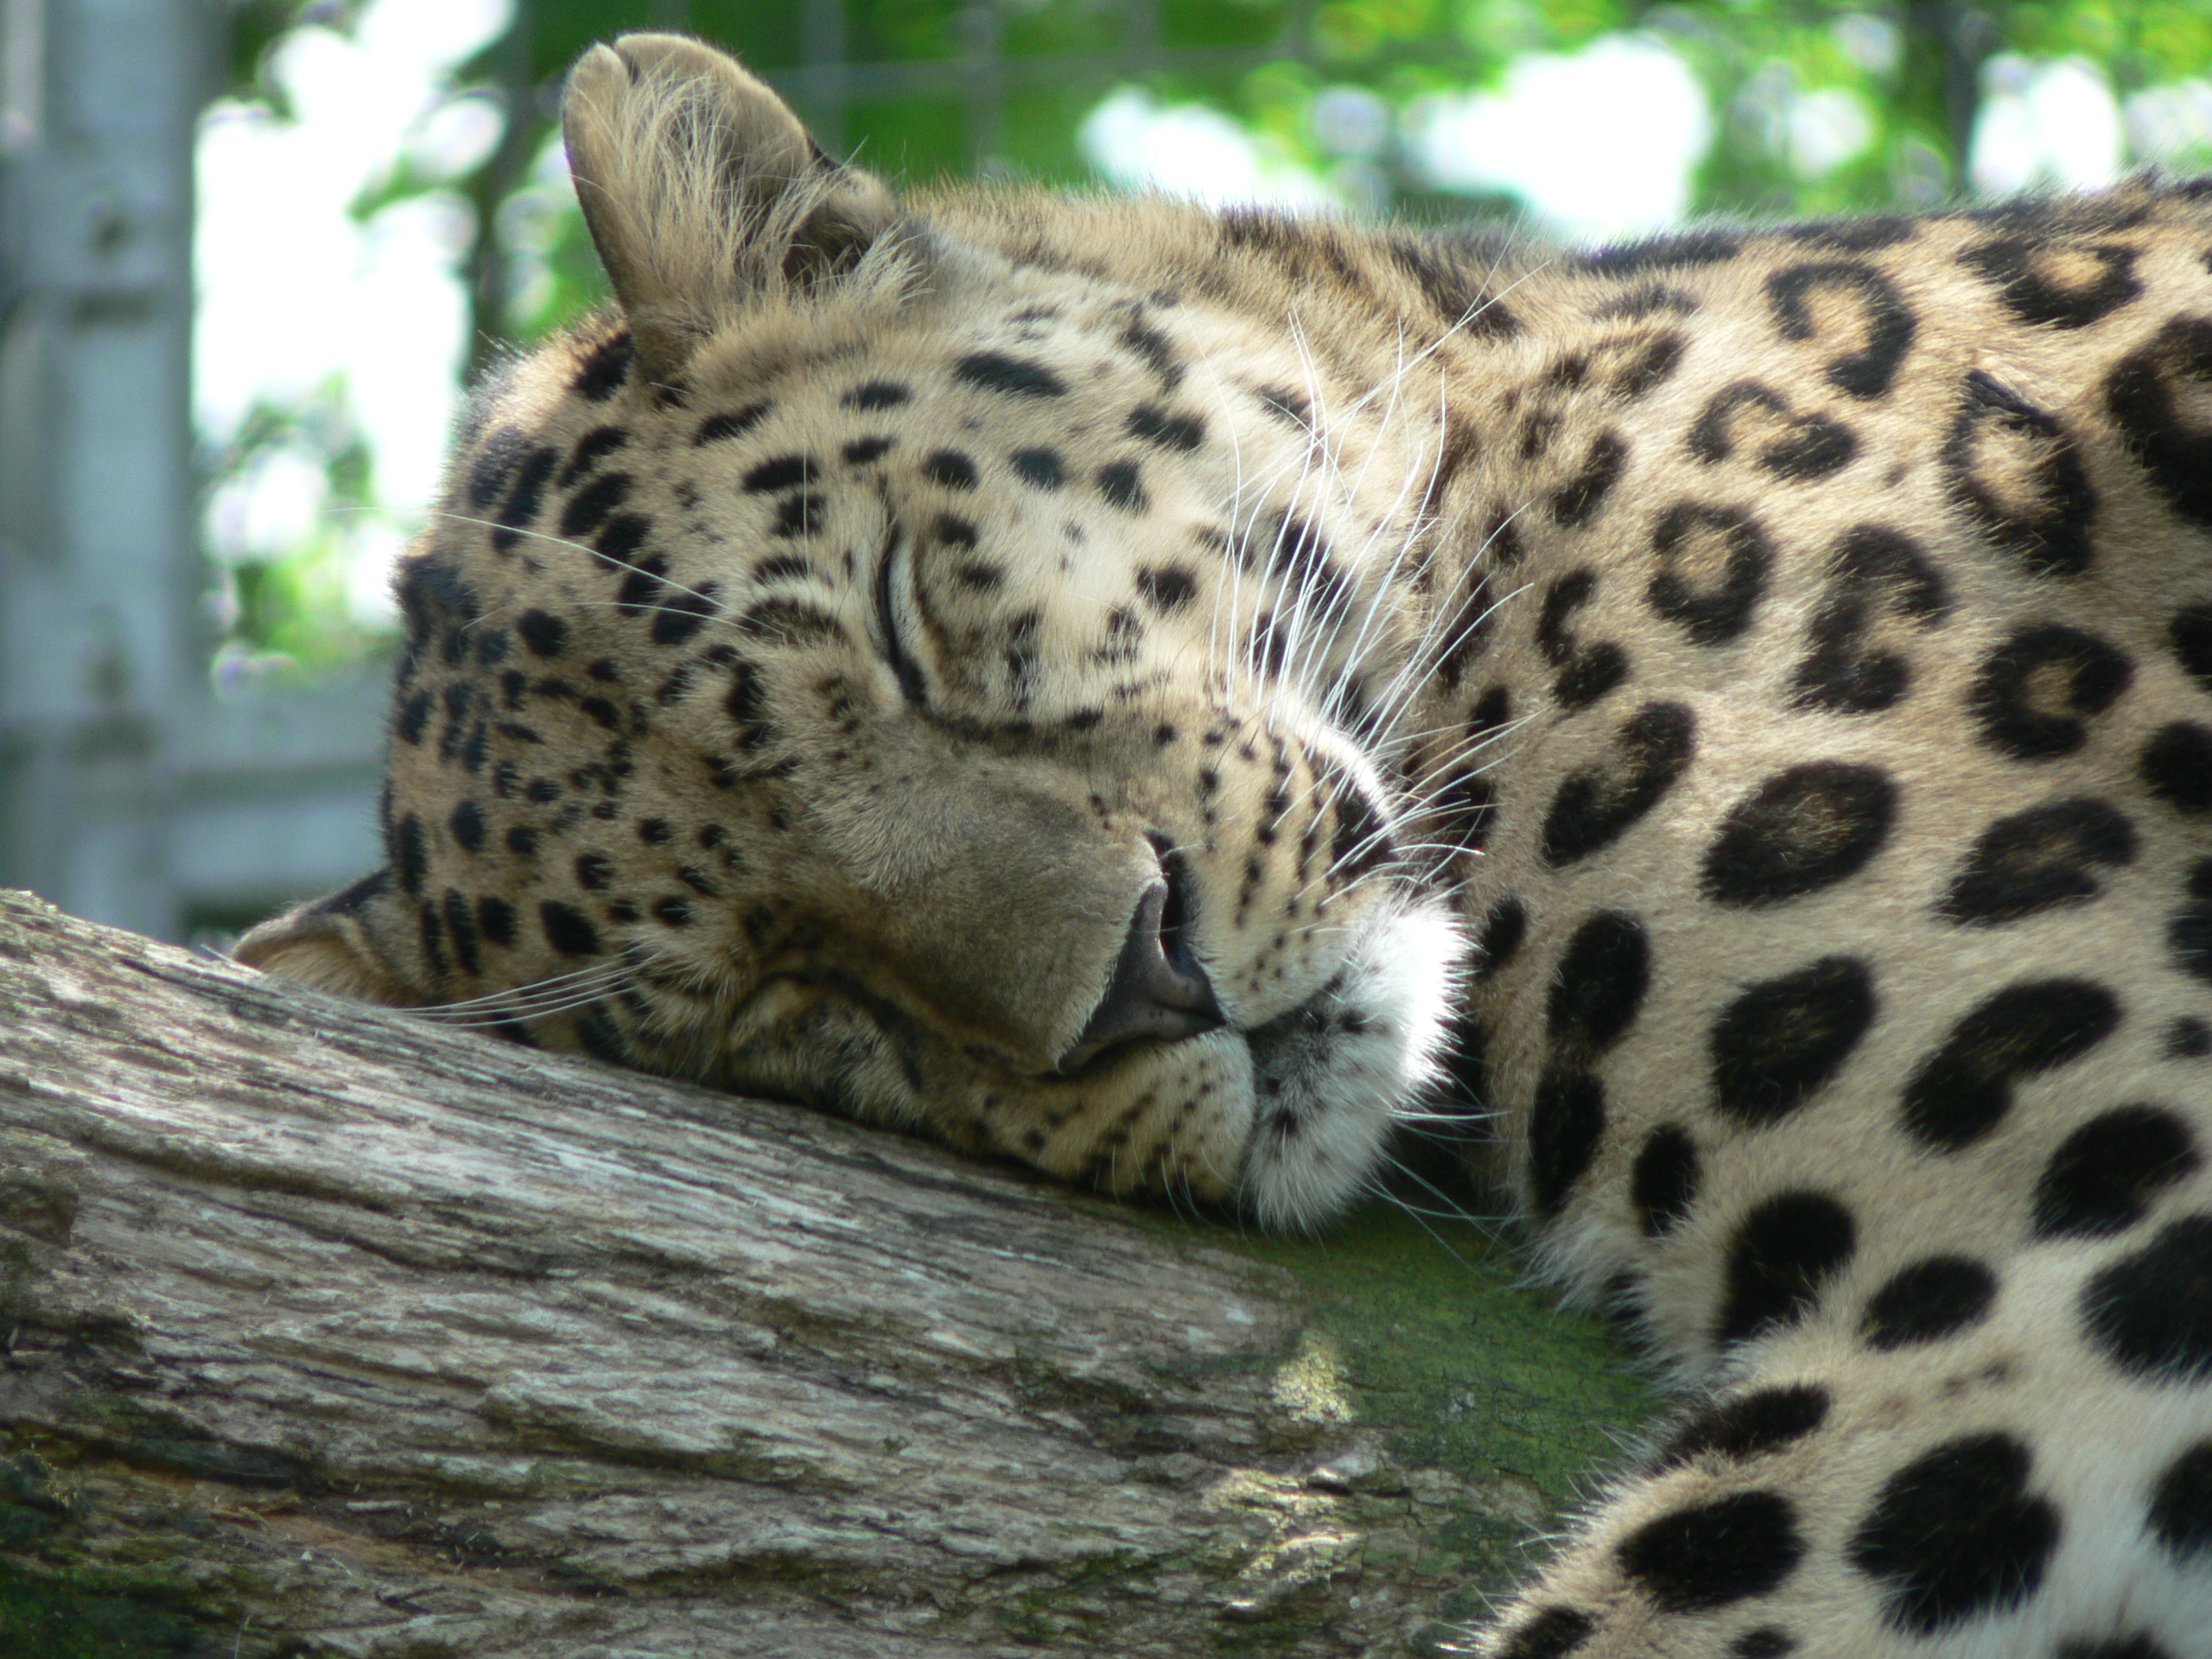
(1716, 724)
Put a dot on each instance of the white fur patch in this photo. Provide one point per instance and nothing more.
(1331, 1077)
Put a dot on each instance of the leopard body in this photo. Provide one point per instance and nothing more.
(1728, 717)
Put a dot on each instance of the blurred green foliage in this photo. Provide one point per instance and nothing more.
(936, 89)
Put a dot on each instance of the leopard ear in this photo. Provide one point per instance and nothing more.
(702, 190)
(333, 944)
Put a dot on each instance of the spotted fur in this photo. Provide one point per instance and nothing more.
(1755, 687)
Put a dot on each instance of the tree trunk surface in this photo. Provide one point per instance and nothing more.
(330, 1331)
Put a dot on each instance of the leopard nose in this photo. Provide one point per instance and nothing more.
(1157, 992)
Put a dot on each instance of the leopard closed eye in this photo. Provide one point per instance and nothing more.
(1174, 696)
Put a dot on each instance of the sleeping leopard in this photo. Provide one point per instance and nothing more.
(1178, 696)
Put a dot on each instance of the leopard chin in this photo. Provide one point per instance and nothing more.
(1334, 1080)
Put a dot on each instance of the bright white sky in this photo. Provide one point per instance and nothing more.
(296, 294)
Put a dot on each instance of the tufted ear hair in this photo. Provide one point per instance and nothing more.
(334, 945)
(702, 190)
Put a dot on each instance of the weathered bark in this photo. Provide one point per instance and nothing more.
(330, 1331)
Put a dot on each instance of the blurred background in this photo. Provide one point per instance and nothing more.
(250, 253)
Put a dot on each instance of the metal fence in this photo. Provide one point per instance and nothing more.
(128, 791)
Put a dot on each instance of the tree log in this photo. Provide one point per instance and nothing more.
(328, 1330)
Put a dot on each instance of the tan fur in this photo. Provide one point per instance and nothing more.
(1785, 655)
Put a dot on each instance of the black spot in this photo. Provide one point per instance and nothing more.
(1762, 1641)
(1042, 468)
(1873, 569)
(1956, 1536)
(1651, 300)
(1781, 1040)
(1664, 1185)
(1566, 1123)
(568, 931)
(791, 622)
(410, 853)
(1169, 588)
(350, 901)
(588, 507)
(1453, 276)
(2138, 1646)
(1586, 672)
(2190, 933)
(520, 509)
(1932, 1298)
(1118, 483)
(1713, 1554)
(1289, 407)
(1712, 568)
(2151, 392)
(1750, 1425)
(1464, 808)
(1860, 235)
(2188, 1038)
(733, 423)
(467, 826)
(599, 1036)
(2177, 767)
(1553, 1633)
(876, 394)
(2151, 1312)
(1804, 829)
(522, 839)
(1017, 377)
(595, 871)
(951, 469)
(1577, 501)
(2107, 1174)
(2181, 1503)
(461, 930)
(591, 448)
(2190, 632)
(2036, 859)
(672, 913)
(2017, 472)
(780, 472)
(1596, 805)
(624, 534)
(494, 465)
(1664, 253)
(1504, 929)
(1782, 1253)
(1654, 357)
(605, 370)
(952, 530)
(409, 719)
(435, 601)
(861, 451)
(1806, 446)
(1601, 976)
(1962, 1091)
(2036, 282)
(798, 514)
(1154, 347)
(1156, 425)
(495, 920)
(683, 613)
(433, 940)
(1886, 325)
(2036, 692)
